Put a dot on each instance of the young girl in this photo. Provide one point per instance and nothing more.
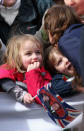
(63, 27)
(23, 63)
(55, 60)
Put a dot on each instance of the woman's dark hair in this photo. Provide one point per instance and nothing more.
(59, 1)
(57, 19)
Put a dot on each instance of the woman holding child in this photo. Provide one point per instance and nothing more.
(63, 26)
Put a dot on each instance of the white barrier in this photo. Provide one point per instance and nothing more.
(17, 117)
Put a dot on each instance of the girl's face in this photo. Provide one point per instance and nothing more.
(30, 53)
(78, 5)
(63, 65)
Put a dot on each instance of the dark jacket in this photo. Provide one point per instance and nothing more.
(82, 54)
(69, 44)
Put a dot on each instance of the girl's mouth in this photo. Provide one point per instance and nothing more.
(69, 66)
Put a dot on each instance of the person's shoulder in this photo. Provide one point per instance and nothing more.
(5, 72)
(74, 28)
(71, 34)
(3, 67)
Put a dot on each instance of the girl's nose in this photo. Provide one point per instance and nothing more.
(66, 61)
(34, 56)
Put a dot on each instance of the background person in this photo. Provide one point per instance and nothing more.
(78, 5)
(21, 16)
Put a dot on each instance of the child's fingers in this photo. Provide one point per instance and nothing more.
(28, 101)
(28, 98)
(36, 64)
(33, 66)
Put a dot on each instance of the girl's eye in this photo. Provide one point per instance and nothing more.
(38, 52)
(28, 53)
(59, 62)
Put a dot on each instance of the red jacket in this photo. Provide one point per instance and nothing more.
(10, 73)
(35, 79)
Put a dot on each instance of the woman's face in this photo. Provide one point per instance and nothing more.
(78, 5)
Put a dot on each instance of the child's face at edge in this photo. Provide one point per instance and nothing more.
(30, 53)
(63, 65)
